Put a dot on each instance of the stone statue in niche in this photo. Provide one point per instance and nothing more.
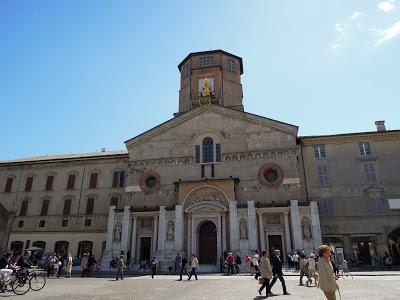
(117, 231)
(206, 87)
(170, 231)
(306, 228)
(243, 229)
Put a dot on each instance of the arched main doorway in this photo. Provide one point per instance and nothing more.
(394, 245)
(208, 243)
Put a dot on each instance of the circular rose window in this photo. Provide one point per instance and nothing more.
(270, 175)
(150, 182)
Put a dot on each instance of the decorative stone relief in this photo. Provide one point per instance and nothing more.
(306, 228)
(170, 230)
(243, 229)
(117, 231)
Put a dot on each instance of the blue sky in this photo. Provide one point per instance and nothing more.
(77, 76)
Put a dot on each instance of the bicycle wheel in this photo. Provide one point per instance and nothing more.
(21, 286)
(10, 283)
(37, 282)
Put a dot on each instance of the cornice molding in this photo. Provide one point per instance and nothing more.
(357, 137)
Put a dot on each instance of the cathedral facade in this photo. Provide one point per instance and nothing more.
(213, 178)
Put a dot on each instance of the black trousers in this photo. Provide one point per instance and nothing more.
(230, 268)
(184, 268)
(280, 277)
(266, 285)
(153, 272)
(120, 272)
(85, 271)
(193, 272)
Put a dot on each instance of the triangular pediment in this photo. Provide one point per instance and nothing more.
(216, 109)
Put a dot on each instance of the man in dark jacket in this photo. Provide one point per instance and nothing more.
(183, 265)
(277, 271)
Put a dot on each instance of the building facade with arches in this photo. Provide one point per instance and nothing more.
(213, 178)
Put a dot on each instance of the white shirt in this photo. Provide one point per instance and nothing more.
(255, 259)
(194, 263)
(311, 264)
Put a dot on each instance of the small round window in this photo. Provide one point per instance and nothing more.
(270, 175)
(150, 182)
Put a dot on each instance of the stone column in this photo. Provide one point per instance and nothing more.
(155, 231)
(161, 230)
(133, 243)
(296, 225)
(178, 233)
(125, 229)
(252, 225)
(189, 235)
(193, 246)
(262, 233)
(233, 225)
(110, 228)
(219, 239)
(316, 227)
(287, 231)
(223, 232)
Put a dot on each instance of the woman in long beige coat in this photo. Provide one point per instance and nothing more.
(68, 265)
(266, 273)
(327, 281)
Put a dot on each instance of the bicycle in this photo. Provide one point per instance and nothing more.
(37, 281)
(19, 282)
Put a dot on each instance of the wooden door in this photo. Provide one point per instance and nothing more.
(208, 243)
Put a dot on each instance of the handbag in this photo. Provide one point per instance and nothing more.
(261, 280)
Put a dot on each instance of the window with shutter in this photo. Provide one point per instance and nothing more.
(24, 208)
(28, 184)
(8, 185)
(71, 182)
(197, 154)
(93, 180)
(45, 208)
(218, 152)
(49, 183)
(89, 206)
(114, 201)
(67, 207)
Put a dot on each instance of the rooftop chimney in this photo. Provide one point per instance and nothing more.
(380, 126)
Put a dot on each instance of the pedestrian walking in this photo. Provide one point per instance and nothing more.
(277, 271)
(230, 261)
(84, 265)
(265, 274)
(184, 265)
(256, 259)
(178, 261)
(387, 260)
(154, 264)
(68, 265)
(296, 261)
(194, 263)
(120, 267)
(303, 268)
(311, 265)
(326, 278)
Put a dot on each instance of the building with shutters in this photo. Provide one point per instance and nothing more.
(212, 178)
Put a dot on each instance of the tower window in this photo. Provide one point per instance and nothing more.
(231, 65)
(185, 71)
(208, 150)
(365, 149)
(206, 61)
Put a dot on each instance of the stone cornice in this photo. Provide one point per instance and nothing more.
(352, 137)
(170, 161)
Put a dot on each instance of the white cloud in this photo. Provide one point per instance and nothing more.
(387, 6)
(355, 15)
(340, 28)
(335, 46)
(389, 33)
